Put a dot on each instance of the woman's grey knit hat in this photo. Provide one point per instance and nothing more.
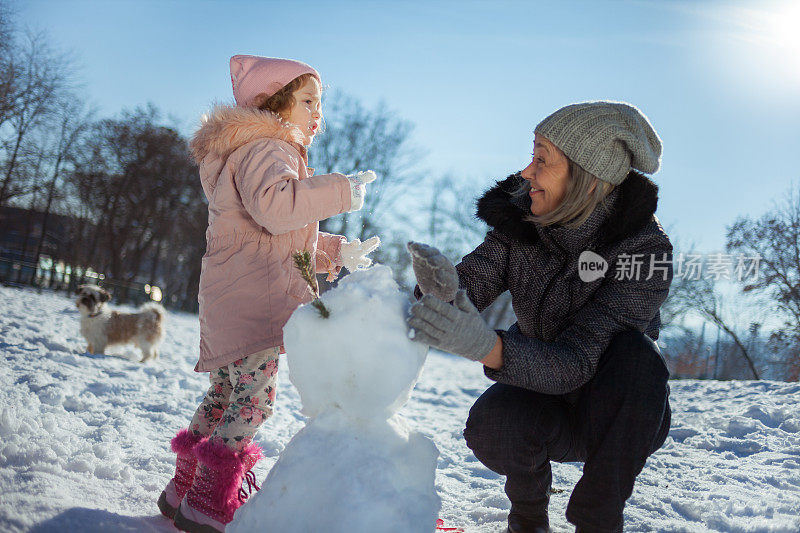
(606, 139)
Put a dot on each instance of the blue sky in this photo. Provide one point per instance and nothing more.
(719, 80)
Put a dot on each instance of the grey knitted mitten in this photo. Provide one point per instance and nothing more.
(434, 272)
(456, 328)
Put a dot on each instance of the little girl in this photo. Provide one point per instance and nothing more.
(263, 204)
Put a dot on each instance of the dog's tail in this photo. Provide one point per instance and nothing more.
(156, 310)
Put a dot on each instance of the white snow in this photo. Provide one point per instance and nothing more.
(357, 459)
(84, 440)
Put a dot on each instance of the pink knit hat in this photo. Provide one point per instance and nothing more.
(253, 75)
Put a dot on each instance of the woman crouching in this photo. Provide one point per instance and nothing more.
(575, 241)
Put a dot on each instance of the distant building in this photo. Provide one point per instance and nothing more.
(19, 239)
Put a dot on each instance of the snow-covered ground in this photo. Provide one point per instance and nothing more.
(84, 439)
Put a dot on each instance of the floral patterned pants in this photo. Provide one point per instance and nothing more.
(239, 399)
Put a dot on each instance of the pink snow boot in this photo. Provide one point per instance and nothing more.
(217, 489)
(182, 444)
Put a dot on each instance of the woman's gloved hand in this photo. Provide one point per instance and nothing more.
(354, 253)
(456, 328)
(358, 189)
(435, 273)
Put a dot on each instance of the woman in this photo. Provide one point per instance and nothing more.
(579, 376)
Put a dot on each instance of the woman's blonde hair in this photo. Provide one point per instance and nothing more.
(584, 192)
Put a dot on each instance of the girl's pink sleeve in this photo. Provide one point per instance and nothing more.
(267, 179)
(331, 258)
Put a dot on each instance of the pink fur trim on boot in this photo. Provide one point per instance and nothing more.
(184, 442)
(185, 464)
(214, 495)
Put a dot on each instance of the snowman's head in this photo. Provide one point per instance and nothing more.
(360, 359)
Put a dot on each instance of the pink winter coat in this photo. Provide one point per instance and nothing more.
(263, 205)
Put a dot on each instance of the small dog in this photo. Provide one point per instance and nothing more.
(102, 327)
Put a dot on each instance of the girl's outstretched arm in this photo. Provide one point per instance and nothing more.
(267, 179)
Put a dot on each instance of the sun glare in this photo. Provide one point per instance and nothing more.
(786, 27)
(754, 48)
(779, 27)
(772, 32)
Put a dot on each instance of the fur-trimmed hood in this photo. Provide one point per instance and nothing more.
(226, 128)
(632, 206)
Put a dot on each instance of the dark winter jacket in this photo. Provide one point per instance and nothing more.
(563, 323)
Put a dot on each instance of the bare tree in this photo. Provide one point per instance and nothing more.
(34, 78)
(452, 225)
(124, 192)
(186, 246)
(695, 293)
(678, 304)
(136, 175)
(72, 122)
(704, 299)
(687, 355)
(33, 165)
(7, 64)
(357, 138)
(774, 239)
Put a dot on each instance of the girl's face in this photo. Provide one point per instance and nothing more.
(306, 113)
(548, 174)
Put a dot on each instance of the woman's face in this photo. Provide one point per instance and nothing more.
(548, 174)
(306, 113)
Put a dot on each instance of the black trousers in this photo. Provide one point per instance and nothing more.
(614, 422)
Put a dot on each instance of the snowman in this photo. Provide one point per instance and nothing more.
(356, 466)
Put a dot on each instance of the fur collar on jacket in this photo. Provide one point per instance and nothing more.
(633, 209)
(226, 128)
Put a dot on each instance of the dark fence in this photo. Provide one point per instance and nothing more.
(55, 276)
